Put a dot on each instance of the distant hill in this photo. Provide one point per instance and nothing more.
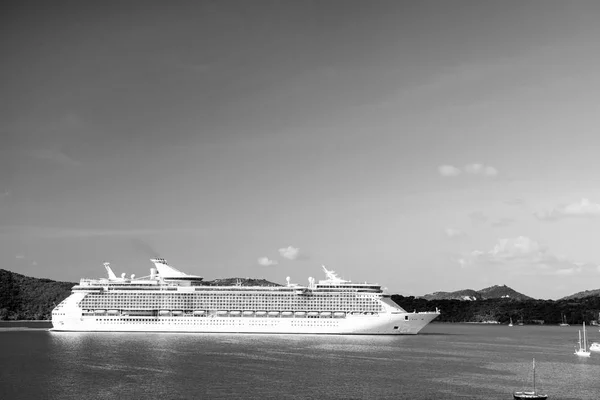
(492, 292)
(239, 282)
(582, 295)
(22, 297)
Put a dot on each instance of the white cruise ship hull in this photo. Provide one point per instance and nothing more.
(382, 324)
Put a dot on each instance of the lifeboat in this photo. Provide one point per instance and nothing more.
(113, 312)
(99, 311)
(326, 314)
(199, 312)
(339, 314)
(248, 313)
(261, 313)
(313, 313)
(164, 312)
(222, 312)
(177, 312)
(235, 313)
(273, 313)
(287, 314)
(300, 313)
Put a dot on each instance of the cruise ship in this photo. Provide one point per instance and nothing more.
(169, 300)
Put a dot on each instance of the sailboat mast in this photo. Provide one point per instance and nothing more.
(584, 340)
(534, 376)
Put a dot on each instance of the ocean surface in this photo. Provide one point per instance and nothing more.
(445, 361)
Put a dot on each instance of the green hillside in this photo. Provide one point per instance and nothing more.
(22, 297)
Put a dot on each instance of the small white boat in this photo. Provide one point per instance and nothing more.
(199, 312)
(164, 312)
(595, 347)
(326, 314)
(261, 313)
(235, 313)
(339, 314)
(222, 312)
(273, 313)
(113, 312)
(248, 313)
(582, 350)
(313, 313)
(287, 313)
(178, 312)
(510, 323)
(300, 313)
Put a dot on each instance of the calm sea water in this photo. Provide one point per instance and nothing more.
(445, 361)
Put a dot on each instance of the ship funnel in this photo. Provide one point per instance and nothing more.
(152, 273)
(123, 275)
(165, 270)
(132, 276)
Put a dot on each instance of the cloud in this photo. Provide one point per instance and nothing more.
(291, 253)
(583, 208)
(475, 169)
(524, 255)
(453, 233)
(266, 262)
(19, 256)
(448, 170)
(480, 169)
(55, 156)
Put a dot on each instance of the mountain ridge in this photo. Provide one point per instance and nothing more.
(492, 292)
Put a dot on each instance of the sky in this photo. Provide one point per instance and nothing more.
(425, 146)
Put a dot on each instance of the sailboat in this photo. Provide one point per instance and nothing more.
(530, 395)
(582, 351)
(510, 323)
(564, 321)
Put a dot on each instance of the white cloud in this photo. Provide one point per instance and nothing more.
(480, 169)
(55, 156)
(266, 262)
(19, 256)
(525, 255)
(469, 169)
(583, 208)
(448, 170)
(291, 253)
(453, 233)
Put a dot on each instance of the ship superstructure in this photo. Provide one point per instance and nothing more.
(170, 300)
